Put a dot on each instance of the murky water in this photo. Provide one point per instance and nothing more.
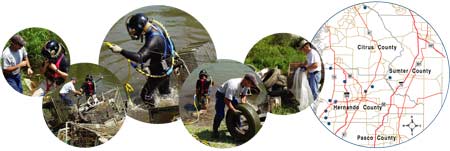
(109, 81)
(191, 41)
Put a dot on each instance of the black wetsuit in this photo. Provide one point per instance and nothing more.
(154, 48)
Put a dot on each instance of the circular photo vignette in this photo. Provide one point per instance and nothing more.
(223, 104)
(152, 50)
(35, 61)
(88, 109)
(291, 69)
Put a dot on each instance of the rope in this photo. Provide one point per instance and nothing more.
(139, 70)
(128, 88)
(196, 110)
(195, 121)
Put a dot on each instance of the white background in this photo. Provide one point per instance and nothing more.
(234, 27)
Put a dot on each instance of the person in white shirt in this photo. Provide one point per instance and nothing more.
(66, 89)
(228, 94)
(15, 57)
(312, 67)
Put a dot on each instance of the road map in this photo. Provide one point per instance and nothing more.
(386, 74)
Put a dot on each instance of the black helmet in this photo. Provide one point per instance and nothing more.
(89, 77)
(136, 23)
(203, 73)
(51, 49)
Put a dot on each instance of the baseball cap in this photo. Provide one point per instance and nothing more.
(252, 79)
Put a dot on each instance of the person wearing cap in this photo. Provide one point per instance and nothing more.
(15, 57)
(155, 55)
(228, 94)
(67, 89)
(312, 66)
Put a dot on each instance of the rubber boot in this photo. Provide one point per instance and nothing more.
(216, 125)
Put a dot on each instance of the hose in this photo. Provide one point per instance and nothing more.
(196, 110)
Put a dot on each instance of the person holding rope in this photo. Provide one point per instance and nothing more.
(156, 57)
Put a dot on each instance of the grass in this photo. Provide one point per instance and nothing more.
(284, 110)
(275, 51)
(203, 134)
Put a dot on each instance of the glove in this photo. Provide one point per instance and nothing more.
(237, 112)
(302, 69)
(115, 48)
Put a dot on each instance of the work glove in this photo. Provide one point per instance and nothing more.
(237, 112)
(303, 69)
(115, 48)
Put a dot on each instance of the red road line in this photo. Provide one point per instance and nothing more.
(334, 69)
(409, 72)
(427, 42)
(402, 108)
(346, 109)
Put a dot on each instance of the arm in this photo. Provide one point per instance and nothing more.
(230, 105)
(144, 53)
(29, 70)
(45, 66)
(54, 68)
(81, 89)
(312, 66)
(12, 68)
(76, 92)
(63, 74)
(244, 99)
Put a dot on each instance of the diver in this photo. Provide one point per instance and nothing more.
(156, 58)
(55, 67)
(202, 90)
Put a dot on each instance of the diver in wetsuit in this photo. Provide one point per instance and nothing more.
(157, 51)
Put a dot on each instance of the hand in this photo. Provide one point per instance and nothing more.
(236, 112)
(23, 64)
(303, 69)
(115, 48)
(29, 71)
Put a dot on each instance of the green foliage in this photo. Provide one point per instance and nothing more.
(284, 110)
(36, 39)
(277, 50)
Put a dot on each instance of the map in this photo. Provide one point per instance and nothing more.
(387, 74)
